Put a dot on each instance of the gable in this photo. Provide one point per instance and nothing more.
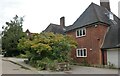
(94, 13)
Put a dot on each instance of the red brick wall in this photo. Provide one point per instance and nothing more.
(93, 40)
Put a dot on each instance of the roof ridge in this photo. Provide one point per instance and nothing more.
(53, 24)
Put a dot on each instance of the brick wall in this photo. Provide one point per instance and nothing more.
(93, 40)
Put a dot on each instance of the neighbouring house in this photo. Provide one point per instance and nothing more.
(97, 32)
(55, 28)
(29, 34)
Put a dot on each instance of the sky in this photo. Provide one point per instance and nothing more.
(38, 14)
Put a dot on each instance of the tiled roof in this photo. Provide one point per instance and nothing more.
(57, 29)
(94, 13)
(112, 38)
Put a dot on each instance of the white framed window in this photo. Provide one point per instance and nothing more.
(81, 32)
(81, 52)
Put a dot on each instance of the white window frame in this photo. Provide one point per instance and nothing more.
(81, 29)
(81, 49)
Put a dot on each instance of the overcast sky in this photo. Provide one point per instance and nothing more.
(40, 13)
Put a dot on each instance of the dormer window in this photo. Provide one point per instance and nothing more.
(111, 16)
(80, 32)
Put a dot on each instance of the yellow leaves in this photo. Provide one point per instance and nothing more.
(34, 46)
(41, 47)
(47, 42)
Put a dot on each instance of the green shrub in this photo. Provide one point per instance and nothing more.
(45, 50)
(22, 56)
(85, 63)
(46, 64)
(110, 65)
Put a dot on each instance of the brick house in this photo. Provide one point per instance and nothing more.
(97, 33)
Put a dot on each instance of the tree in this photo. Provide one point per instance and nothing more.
(11, 34)
(0, 39)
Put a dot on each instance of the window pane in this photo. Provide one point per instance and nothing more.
(84, 52)
(80, 32)
(77, 32)
(81, 52)
(77, 52)
(83, 31)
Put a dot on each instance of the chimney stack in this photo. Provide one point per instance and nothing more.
(62, 22)
(119, 10)
(105, 3)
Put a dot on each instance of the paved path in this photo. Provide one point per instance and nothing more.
(12, 68)
(0, 65)
(15, 69)
(21, 62)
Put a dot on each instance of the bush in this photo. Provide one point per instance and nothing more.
(46, 64)
(22, 56)
(45, 50)
(110, 65)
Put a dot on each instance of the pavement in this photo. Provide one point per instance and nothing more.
(75, 69)
(11, 68)
(15, 69)
(0, 65)
(20, 61)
